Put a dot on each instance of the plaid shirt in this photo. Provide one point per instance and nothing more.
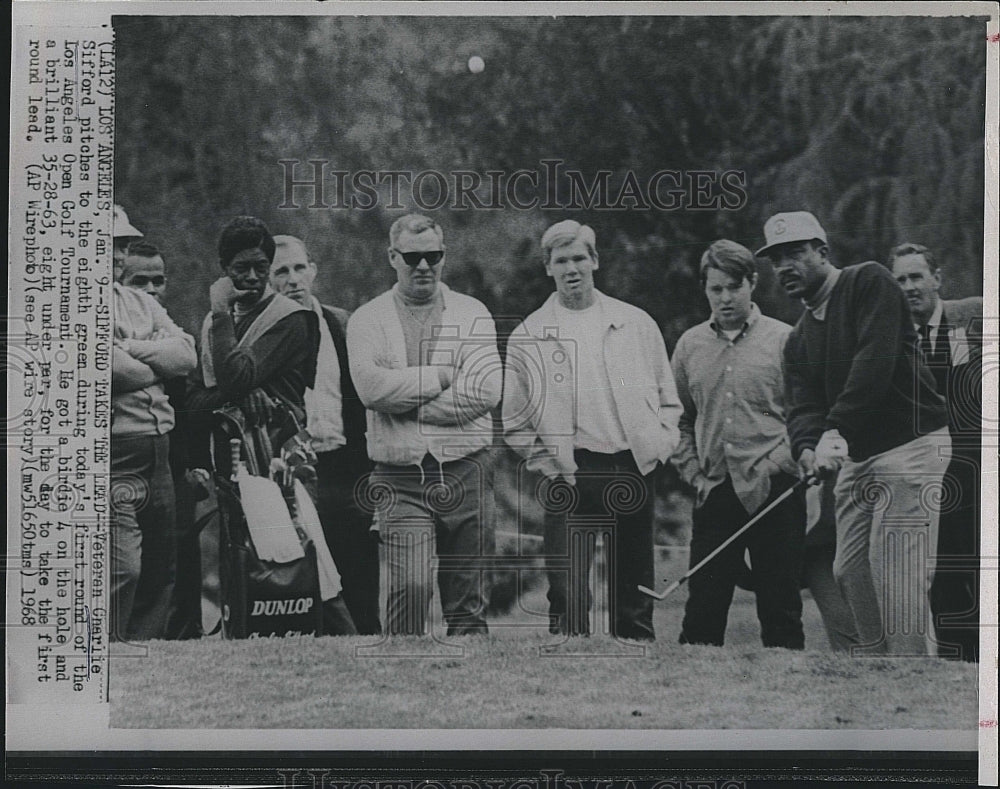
(734, 408)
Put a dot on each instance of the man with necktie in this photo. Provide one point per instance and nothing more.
(951, 343)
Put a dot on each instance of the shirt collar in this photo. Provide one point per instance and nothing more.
(936, 316)
(748, 324)
(610, 310)
(817, 304)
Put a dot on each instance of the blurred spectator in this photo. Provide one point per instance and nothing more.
(123, 233)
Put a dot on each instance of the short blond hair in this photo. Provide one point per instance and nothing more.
(566, 232)
(414, 224)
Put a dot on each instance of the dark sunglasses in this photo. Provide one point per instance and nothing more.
(412, 259)
(140, 281)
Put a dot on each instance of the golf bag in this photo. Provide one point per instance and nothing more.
(260, 597)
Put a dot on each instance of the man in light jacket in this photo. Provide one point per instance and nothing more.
(424, 361)
(590, 402)
(149, 349)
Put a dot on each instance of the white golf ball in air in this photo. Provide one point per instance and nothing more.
(476, 64)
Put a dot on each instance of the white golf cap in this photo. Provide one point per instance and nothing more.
(791, 227)
(121, 227)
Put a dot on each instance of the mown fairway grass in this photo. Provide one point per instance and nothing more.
(512, 680)
(503, 682)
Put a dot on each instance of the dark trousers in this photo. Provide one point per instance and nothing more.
(347, 528)
(776, 547)
(613, 498)
(955, 590)
(184, 620)
(143, 542)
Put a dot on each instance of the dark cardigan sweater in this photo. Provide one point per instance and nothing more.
(859, 370)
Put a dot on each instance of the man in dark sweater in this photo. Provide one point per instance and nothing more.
(258, 349)
(862, 400)
(336, 420)
(256, 345)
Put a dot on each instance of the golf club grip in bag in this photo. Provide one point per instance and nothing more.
(259, 598)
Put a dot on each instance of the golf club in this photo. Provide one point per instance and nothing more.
(680, 581)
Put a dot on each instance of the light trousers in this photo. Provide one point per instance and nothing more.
(888, 507)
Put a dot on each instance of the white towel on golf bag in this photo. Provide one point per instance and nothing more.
(329, 578)
(273, 533)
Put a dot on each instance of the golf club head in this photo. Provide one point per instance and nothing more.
(651, 593)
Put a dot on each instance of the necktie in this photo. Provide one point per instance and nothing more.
(925, 341)
(942, 348)
(937, 360)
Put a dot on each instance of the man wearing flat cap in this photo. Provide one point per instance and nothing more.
(590, 403)
(861, 400)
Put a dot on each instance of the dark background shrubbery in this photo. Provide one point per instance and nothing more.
(874, 124)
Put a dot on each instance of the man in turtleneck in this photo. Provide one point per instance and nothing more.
(424, 361)
(861, 400)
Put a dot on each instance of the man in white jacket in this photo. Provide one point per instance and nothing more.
(590, 401)
(425, 364)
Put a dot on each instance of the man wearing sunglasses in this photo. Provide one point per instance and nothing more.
(425, 363)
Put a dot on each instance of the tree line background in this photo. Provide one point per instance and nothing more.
(874, 124)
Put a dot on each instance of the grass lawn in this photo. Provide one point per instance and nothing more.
(522, 677)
